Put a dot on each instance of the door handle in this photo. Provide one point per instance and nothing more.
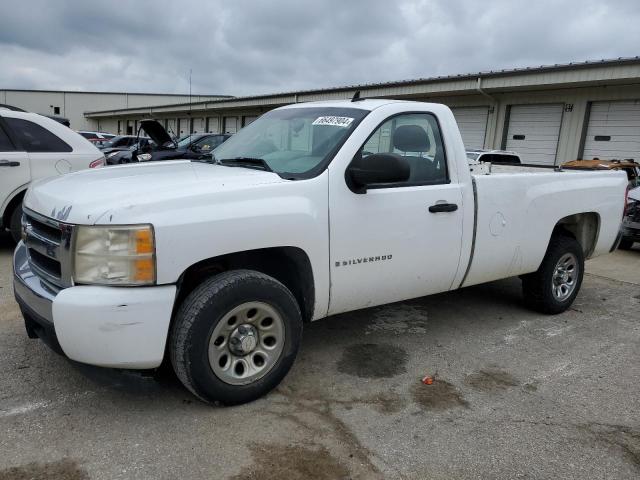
(443, 207)
(7, 163)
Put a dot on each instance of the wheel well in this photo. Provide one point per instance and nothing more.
(6, 216)
(584, 227)
(288, 265)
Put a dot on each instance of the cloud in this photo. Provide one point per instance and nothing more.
(252, 46)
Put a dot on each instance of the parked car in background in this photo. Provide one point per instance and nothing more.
(629, 166)
(126, 145)
(314, 209)
(631, 220)
(117, 141)
(194, 146)
(64, 121)
(498, 157)
(97, 138)
(33, 146)
(120, 155)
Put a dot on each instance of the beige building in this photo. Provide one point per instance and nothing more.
(548, 114)
(73, 105)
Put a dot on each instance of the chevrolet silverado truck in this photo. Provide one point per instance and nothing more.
(312, 210)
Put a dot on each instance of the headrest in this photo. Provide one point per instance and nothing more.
(411, 138)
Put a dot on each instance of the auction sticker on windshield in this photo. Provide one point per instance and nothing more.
(333, 121)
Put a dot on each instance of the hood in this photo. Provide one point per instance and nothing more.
(156, 132)
(127, 193)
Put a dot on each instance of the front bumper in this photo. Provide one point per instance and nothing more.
(119, 327)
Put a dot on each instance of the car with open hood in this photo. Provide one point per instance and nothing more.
(193, 147)
(124, 153)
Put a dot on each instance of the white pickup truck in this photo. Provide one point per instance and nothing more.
(312, 210)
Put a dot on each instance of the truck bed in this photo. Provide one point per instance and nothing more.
(517, 208)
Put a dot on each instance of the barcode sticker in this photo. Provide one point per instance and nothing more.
(333, 121)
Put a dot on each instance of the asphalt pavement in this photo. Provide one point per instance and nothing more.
(516, 395)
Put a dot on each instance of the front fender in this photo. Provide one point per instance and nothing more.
(292, 214)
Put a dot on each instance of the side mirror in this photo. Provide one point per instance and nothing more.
(379, 168)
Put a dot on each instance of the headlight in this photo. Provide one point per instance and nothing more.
(115, 255)
(144, 157)
(112, 154)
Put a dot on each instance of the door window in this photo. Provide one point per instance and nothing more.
(35, 138)
(415, 137)
(207, 144)
(5, 142)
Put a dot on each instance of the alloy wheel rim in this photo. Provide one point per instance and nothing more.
(565, 277)
(246, 343)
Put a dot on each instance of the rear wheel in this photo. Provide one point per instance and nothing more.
(235, 337)
(554, 287)
(15, 223)
(625, 244)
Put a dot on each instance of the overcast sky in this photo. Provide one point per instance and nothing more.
(246, 47)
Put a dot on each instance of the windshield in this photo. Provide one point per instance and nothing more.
(293, 140)
(187, 139)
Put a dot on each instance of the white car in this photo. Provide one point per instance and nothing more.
(32, 147)
(497, 157)
(97, 138)
(312, 210)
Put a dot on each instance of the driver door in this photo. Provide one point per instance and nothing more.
(386, 244)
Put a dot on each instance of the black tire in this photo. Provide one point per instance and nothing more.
(538, 287)
(200, 313)
(15, 223)
(625, 244)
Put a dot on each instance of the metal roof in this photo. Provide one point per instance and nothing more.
(559, 67)
(82, 92)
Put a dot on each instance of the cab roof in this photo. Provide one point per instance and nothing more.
(362, 104)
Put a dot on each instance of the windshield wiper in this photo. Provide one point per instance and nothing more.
(246, 162)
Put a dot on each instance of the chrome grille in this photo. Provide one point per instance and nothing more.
(48, 244)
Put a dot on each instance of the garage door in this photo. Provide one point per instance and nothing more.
(230, 124)
(172, 127)
(472, 122)
(184, 127)
(213, 125)
(247, 119)
(533, 132)
(199, 125)
(613, 131)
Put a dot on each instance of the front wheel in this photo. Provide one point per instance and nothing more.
(235, 337)
(553, 288)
